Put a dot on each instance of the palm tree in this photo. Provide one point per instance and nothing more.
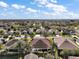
(20, 49)
(28, 47)
(54, 50)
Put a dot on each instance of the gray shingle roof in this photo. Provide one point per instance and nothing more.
(40, 41)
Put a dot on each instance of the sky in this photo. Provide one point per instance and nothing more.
(39, 9)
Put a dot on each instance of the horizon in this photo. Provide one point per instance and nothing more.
(39, 19)
(39, 9)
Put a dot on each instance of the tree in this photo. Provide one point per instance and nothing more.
(1, 32)
(54, 50)
(1, 46)
(20, 49)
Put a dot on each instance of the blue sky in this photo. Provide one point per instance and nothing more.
(39, 9)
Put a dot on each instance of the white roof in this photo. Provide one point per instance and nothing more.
(36, 36)
(17, 37)
(31, 56)
(22, 36)
(41, 58)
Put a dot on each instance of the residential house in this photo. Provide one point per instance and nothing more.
(77, 31)
(50, 31)
(77, 41)
(65, 43)
(41, 58)
(69, 32)
(31, 56)
(24, 32)
(73, 57)
(38, 31)
(10, 32)
(2, 40)
(40, 42)
(11, 44)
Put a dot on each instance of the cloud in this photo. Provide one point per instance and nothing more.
(42, 2)
(67, 15)
(73, 15)
(31, 10)
(49, 13)
(52, 6)
(16, 6)
(47, 9)
(54, 1)
(3, 14)
(56, 8)
(3, 4)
